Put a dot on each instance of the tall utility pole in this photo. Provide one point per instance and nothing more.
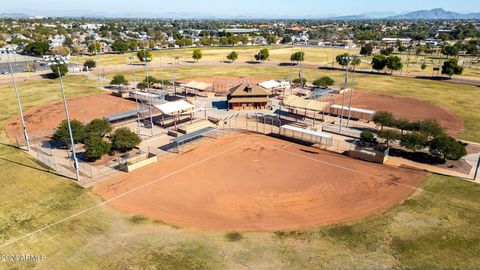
(146, 59)
(98, 62)
(135, 94)
(345, 86)
(351, 94)
(25, 134)
(59, 61)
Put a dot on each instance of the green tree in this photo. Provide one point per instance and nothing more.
(389, 135)
(297, 57)
(37, 48)
(287, 40)
(96, 147)
(379, 62)
(367, 137)
(403, 124)
(123, 139)
(414, 141)
(342, 59)
(232, 56)
(447, 147)
(367, 49)
(262, 55)
(394, 63)
(429, 127)
(59, 69)
(89, 64)
(324, 82)
(271, 39)
(142, 85)
(451, 67)
(119, 79)
(93, 46)
(450, 50)
(62, 135)
(144, 56)
(98, 128)
(423, 66)
(383, 119)
(300, 81)
(387, 51)
(120, 46)
(197, 54)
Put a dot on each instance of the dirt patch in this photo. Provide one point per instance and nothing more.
(254, 182)
(408, 108)
(222, 85)
(44, 118)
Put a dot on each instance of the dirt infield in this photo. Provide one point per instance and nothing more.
(408, 108)
(44, 118)
(221, 85)
(254, 182)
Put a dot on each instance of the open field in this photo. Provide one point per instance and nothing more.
(437, 227)
(277, 54)
(253, 182)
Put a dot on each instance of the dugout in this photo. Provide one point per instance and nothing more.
(125, 116)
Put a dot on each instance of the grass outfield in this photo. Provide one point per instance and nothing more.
(439, 228)
(277, 54)
(313, 55)
(463, 100)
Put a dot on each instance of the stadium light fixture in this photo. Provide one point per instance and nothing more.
(8, 51)
(57, 61)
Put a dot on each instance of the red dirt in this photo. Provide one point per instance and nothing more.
(223, 84)
(254, 182)
(405, 107)
(44, 118)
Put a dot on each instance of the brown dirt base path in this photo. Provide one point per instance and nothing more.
(405, 107)
(44, 118)
(254, 182)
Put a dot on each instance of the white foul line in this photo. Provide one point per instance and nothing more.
(8, 243)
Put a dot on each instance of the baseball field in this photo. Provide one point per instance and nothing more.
(231, 202)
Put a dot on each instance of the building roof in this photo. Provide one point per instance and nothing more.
(249, 99)
(305, 104)
(198, 85)
(353, 109)
(174, 107)
(247, 90)
(308, 131)
(274, 84)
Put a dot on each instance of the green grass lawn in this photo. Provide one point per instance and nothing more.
(433, 229)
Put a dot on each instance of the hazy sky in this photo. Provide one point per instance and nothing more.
(244, 7)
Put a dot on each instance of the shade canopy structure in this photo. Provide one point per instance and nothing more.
(124, 115)
(274, 84)
(358, 110)
(296, 102)
(175, 107)
(201, 86)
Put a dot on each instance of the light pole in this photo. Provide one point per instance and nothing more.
(345, 86)
(354, 57)
(25, 134)
(136, 100)
(146, 59)
(58, 61)
(98, 62)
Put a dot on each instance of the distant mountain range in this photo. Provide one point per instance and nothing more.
(433, 14)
